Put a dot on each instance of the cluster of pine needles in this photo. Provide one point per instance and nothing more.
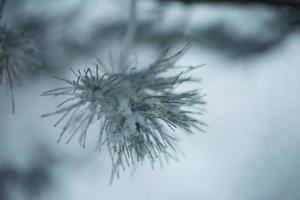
(18, 57)
(138, 110)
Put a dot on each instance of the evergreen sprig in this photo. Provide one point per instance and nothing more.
(138, 111)
(18, 58)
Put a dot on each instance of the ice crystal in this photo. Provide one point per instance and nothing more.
(138, 111)
(18, 57)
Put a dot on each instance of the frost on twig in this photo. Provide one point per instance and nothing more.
(18, 57)
(138, 111)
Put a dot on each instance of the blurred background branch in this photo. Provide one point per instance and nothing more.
(292, 3)
(2, 4)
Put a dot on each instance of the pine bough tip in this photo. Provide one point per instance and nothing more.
(138, 111)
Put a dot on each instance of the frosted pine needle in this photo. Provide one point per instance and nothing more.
(138, 111)
(18, 57)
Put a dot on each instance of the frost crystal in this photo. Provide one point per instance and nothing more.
(138, 111)
(18, 57)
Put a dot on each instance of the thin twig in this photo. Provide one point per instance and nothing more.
(131, 32)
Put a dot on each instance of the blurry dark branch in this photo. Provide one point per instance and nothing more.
(33, 182)
(152, 31)
(2, 4)
(217, 36)
(291, 3)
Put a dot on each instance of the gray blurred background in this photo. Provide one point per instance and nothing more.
(252, 79)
